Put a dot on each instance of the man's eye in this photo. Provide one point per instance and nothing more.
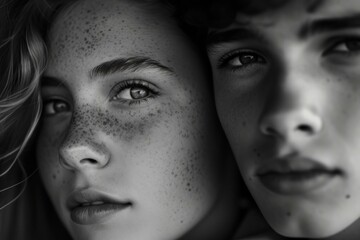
(241, 59)
(347, 46)
(52, 107)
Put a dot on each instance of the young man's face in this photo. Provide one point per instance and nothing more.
(128, 119)
(287, 88)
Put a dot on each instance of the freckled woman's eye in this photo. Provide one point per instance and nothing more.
(133, 91)
(52, 107)
(138, 93)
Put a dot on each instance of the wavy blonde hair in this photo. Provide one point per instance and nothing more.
(23, 59)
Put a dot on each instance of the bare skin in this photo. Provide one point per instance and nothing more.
(287, 93)
(128, 114)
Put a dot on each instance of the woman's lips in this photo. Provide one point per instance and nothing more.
(91, 206)
(95, 213)
(295, 175)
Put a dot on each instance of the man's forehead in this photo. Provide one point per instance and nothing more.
(259, 7)
(308, 10)
(293, 17)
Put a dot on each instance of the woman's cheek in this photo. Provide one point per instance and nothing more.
(47, 157)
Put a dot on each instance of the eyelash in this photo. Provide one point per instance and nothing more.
(54, 101)
(343, 40)
(133, 83)
(224, 60)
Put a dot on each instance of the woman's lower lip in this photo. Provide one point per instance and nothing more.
(91, 214)
(292, 183)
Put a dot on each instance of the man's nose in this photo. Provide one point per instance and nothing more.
(291, 123)
(293, 107)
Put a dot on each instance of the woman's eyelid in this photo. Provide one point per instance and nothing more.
(131, 83)
(53, 102)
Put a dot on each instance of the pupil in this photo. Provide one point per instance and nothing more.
(138, 93)
(247, 59)
(60, 107)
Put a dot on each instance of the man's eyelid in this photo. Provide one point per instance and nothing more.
(334, 42)
(220, 48)
(225, 58)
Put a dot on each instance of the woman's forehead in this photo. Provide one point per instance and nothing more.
(86, 25)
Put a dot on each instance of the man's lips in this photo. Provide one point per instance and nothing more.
(295, 175)
(293, 164)
(90, 206)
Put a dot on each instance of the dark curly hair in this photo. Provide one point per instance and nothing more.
(221, 13)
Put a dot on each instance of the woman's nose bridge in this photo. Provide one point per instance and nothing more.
(82, 145)
(80, 130)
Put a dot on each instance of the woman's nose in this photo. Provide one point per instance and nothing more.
(83, 147)
(84, 154)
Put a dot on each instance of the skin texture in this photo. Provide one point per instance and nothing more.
(161, 152)
(285, 91)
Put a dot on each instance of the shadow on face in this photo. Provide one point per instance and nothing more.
(289, 77)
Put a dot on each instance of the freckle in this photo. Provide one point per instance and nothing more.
(54, 176)
(250, 179)
(244, 124)
(288, 214)
(348, 196)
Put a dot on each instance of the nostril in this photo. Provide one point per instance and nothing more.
(88, 161)
(304, 128)
(270, 131)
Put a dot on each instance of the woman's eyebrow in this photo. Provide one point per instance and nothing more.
(127, 64)
(329, 24)
(47, 81)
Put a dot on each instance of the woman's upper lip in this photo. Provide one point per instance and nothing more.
(294, 164)
(91, 196)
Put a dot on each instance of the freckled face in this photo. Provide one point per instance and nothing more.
(143, 132)
(287, 93)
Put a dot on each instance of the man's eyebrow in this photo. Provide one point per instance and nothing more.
(232, 35)
(329, 24)
(132, 64)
